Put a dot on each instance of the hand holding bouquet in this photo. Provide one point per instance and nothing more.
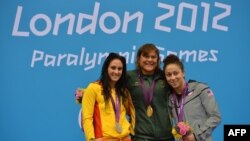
(78, 95)
(181, 130)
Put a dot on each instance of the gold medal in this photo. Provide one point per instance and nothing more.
(149, 111)
(118, 127)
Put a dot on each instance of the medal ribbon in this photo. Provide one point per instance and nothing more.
(180, 112)
(116, 107)
(148, 95)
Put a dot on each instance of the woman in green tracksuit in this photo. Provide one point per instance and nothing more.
(191, 102)
(149, 93)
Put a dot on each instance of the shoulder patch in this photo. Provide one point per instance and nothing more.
(190, 93)
(209, 92)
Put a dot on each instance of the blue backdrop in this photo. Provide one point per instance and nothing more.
(48, 48)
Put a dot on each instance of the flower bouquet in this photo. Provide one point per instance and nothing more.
(78, 95)
(181, 130)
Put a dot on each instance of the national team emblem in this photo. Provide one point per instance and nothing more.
(210, 93)
(190, 93)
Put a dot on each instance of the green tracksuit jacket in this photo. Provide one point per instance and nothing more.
(158, 126)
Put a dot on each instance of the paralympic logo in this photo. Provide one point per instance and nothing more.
(80, 119)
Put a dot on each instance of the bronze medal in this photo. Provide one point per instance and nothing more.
(118, 127)
(149, 111)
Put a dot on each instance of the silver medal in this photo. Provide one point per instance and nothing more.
(118, 127)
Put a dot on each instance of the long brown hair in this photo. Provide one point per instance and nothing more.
(121, 85)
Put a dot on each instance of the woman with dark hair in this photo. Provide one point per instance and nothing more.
(106, 104)
(194, 108)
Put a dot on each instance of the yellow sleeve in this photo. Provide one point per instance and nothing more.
(88, 103)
